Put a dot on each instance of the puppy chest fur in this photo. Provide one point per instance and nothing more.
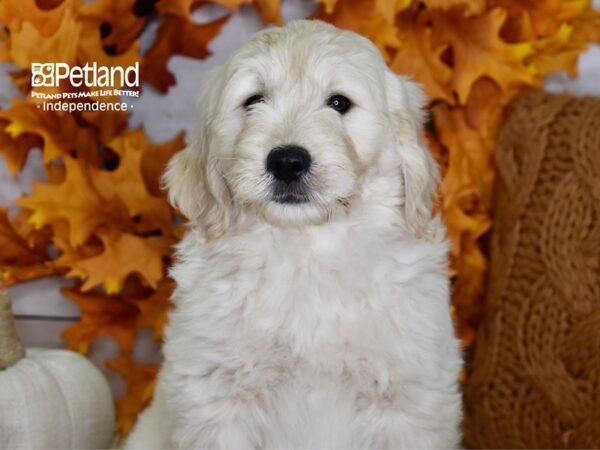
(299, 344)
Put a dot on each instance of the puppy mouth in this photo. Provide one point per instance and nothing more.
(290, 193)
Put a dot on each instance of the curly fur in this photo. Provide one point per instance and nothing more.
(323, 324)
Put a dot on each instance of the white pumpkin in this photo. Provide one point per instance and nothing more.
(50, 398)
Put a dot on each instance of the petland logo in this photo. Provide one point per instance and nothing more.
(51, 74)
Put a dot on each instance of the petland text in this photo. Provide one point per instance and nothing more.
(90, 75)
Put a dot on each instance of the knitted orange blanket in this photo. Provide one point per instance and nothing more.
(535, 378)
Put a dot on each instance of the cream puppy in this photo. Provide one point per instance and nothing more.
(311, 308)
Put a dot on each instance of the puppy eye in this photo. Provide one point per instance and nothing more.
(340, 103)
(252, 100)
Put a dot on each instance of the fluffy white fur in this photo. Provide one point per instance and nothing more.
(323, 324)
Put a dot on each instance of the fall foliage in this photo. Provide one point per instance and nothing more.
(101, 217)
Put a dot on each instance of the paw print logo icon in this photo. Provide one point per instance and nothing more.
(42, 74)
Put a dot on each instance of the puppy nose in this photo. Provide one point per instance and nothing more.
(288, 163)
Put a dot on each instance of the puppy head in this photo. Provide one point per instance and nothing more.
(295, 127)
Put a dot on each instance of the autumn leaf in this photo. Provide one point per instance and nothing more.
(557, 53)
(181, 8)
(68, 254)
(154, 309)
(586, 26)
(466, 200)
(91, 50)
(107, 125)
(22, 258)
(469, 7)
(154, 156)
(176, 36)
(101, 315)
(546, 15)
(363, 17)
(478, 50)
(29, 45)
(389, 9)
(140, 380)
(45, 15)
(268, 9)
(15, 149)
(484, 105)
(416, 57)
(59, 131)
(119, 25)
(468, 181)
(126, 183)
(4, 45)
(328, 6)
(15, 250)
(123, 254)
(75, 200)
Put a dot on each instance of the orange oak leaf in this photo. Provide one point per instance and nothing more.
(485, 104)
(4, 45)
(101, 315)
(268, 9)
(68, 254)
(467, 185)
(478, 50)
(117, 21)
(21, 79)
(15, 249)
(36, 239)
(416, 57)
(91, 50)
(557, 53)
(55, 172)
(154, 309)
(546, 15)
(12, 274)
(45, 15)
(586, 26)
(181, 8)
(466, 191)
(127, 183)
(75, 200)
(469, 7)
(388, 9)
(124, 254)
(176, 36)
(29, 45)
(139, 380)
(154, 156)
(363, 17)
(16, 149)
(106, 124)
(328, 5)
(59, 130)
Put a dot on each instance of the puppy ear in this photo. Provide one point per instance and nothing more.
(193, 176)
(420, 172)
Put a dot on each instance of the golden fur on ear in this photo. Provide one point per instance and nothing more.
(420, 172)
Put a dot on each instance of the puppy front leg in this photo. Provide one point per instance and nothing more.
(414, 415)
(217, 413)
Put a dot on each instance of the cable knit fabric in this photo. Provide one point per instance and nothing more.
(534, 381)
